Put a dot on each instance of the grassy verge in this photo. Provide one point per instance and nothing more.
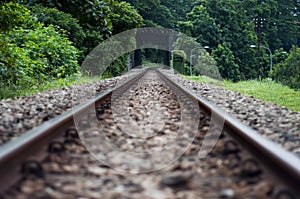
(12, 91)
(266, 90)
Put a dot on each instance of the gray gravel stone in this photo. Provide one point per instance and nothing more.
(273, 121)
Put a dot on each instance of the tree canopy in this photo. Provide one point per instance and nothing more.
(228, 27)
(43, 40)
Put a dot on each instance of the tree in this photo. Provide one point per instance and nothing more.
(226, 63)
(215, 22)
(124, 17)
(237, 32)
(93, 17)
(61, 20)
(154, 13)
(288, 72)
(203, 27)
(179, 8)
(285, 21)
(279, 56)
(98, 19)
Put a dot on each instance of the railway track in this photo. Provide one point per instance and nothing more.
(147, 134)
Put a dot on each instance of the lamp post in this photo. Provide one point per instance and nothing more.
(271, 60)
(206, 47)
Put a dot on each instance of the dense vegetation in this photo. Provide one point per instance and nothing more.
(32, 52)
(229, 27)
(288, 71)
(44, 40)
(47, 40)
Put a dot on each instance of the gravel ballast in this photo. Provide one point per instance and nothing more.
(20, 114)
(275, 122)
(75, 173)
(280, 124)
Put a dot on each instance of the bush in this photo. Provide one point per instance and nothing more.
(61, 20)
(179, 57)
(52, 53)
(93, 16)
(11, 15)
(33, 53)
(117, 67)
(288, 72)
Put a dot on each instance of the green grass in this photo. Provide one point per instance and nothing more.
(13, 91)
(266, 90)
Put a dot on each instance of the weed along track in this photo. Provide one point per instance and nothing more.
(146, 138)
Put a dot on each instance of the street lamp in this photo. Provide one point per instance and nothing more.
(271, 60)
(206, 47)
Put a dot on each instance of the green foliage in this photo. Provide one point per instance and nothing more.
(279, 56)
(266, 90)
(91, 14)
(179, 8)
(284, 31)
(225, 62)
(93, 17)
(11, 15)
(118, 67)
(237, 32)
(65, 21)
(231, 22)
(179, 57)
(149, 23)
(204, 27)
(206, 65)
(218, 22)
(280, 21)
(36, 53)
(185, 43)
(99, 19)
(154, 13)
(58, 58)
(288, 72)
(33, 52)
(202, 62)
(61, 20)
(186, 27)
(124, 17)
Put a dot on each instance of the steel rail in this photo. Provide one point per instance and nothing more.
(32, 144)
(282, 163)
